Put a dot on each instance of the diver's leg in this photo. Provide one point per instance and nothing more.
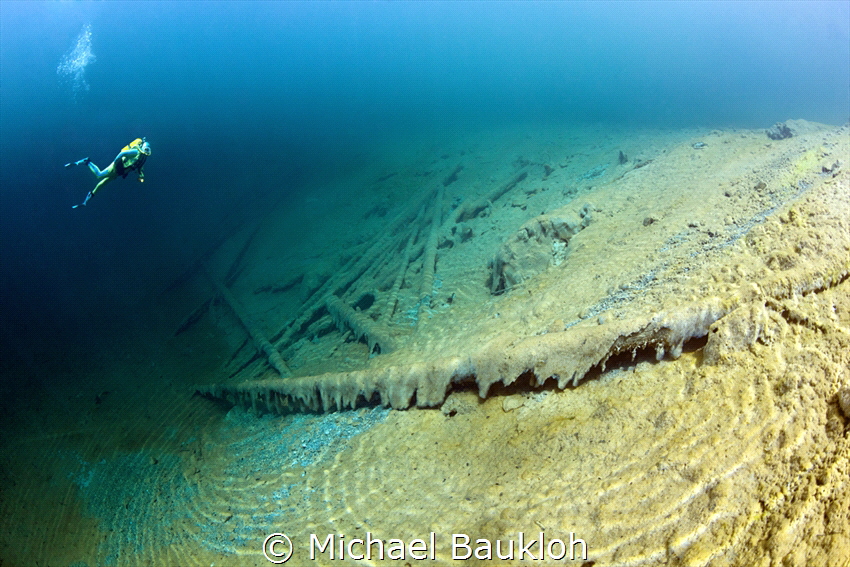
(99, 173)
(101, 183)
(105, 177)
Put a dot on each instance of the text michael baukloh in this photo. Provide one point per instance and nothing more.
(461, 546)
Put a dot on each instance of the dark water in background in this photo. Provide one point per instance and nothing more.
(244, 102)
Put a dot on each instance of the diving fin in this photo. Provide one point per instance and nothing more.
(83, 204)
(78, 162)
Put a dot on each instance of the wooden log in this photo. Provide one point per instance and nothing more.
(352, 270)
(383, 269)
(362, 326)
(392, 297)
(426, 284)
(470, 210)
(260, 339)
(236, 266)
(200, 265)
(193, 317)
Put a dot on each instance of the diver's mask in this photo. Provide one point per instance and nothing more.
(146, 147)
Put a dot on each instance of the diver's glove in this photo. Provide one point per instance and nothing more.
(83, 204)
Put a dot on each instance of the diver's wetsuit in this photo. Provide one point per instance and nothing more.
(123, 171)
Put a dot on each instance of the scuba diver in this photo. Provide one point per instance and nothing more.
(131, 158)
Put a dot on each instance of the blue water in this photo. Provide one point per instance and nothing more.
(245, 102)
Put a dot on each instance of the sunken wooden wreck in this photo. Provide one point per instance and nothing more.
(533, 273)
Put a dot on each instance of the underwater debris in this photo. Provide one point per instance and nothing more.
(533, 248)
(260, 340)
(567, 356)
(426, 284)
(285, 286)
(352, 271)
(363, 327)
(392, 297)
(468, 210)
(593, 173)
(193, 317)
(386, 177)
(452, 176)
(623, 289)
(779, 131)
(793, 128)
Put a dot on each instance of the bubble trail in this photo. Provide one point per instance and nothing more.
(72, 66)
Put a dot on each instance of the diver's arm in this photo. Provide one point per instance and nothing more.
(129, 154)
(141, 174)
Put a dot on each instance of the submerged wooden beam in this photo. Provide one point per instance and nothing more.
(470, 209)
(362, 326)
(430, 260)
(426, 284)
(260, 339)
(352, 271)
(392, 297)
